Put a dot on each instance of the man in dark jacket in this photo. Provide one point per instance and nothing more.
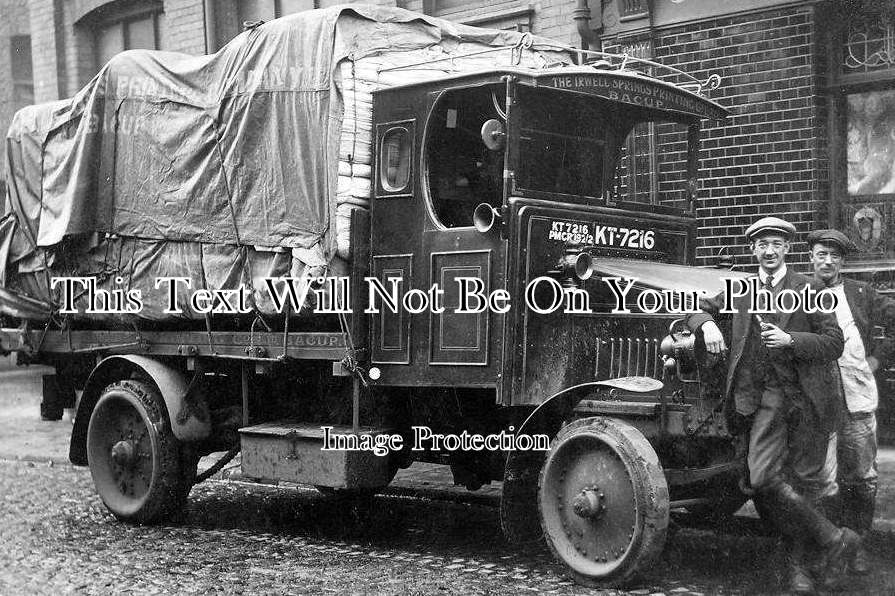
(781, 369)
(860, 309)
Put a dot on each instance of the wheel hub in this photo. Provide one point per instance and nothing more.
(589, 503)
(124, 453)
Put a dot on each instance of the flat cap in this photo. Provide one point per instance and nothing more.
(770, 225)
(834, 237)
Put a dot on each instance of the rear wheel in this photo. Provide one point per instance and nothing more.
(139, 468)
(603, 501)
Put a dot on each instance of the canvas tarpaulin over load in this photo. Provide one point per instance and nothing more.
(234, 156)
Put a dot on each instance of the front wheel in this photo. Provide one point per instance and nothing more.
(603, 501)
(137, 464)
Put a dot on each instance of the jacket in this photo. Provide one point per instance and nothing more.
(871, 309)
(817, 343)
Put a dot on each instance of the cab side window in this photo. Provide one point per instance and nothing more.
(394, 159)
(462, 171)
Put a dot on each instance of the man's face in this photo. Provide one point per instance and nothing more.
(827, 261)
(771, 251)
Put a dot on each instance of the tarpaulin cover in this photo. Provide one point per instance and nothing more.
(228, 153)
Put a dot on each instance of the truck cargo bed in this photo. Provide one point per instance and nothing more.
(221, 344)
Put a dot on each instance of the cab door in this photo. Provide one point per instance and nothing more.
(423, 236)
(461, 173)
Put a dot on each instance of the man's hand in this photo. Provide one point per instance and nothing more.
(714, 341)
(873, 363)
(774, 337)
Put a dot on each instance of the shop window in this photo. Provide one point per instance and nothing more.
(863, 133)
(462, 172)
(129, 28)
(862, 152)
(394, 159)
(870, 142)
(22, 71)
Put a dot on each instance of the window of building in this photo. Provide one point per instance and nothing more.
(22, 71)
(266, 10)
(495, 14)
(637, 173)
(129, 28)
(862, 128)
(870, 142)
(228, 17)
(861, 95)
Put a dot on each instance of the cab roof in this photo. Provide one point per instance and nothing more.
(623, 85)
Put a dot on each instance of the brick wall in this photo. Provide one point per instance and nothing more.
(769, 157)
(553, 19)
(44, 51)
(184, 29)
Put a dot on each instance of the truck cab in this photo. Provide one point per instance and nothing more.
(512, 175)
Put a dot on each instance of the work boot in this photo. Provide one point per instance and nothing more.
(860, 563)
(799, 570)
(860, 502)
(794, 517)
(838, 555)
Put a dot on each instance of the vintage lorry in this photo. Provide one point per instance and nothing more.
(536, 173)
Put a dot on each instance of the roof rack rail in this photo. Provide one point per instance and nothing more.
(594, 59)
(650, 68)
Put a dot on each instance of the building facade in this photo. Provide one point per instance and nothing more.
(810, 85)
(811, 136)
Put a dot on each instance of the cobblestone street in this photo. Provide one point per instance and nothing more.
(235, 537)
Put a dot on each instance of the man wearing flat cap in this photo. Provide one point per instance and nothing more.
(781, 369)
(859, 309)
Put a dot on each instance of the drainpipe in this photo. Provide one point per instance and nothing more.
(590, 39)
(210, 29)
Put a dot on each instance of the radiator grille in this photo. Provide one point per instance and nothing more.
(628, 357)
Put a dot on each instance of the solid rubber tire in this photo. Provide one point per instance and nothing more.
(625, 450)
(158, 496)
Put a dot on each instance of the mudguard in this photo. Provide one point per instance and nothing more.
(188, 414)
(519, 516)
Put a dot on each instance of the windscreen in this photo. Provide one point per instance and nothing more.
(562, 144)
(590, 149)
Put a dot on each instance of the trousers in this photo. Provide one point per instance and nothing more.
(851, 453)
(784, 446)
